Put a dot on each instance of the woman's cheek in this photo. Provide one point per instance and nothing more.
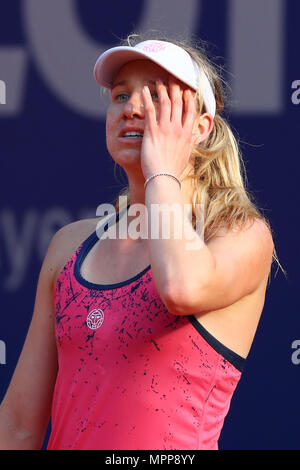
(109, 129)
(109, 143)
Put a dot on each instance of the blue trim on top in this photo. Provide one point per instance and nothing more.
(86, 247)
(235, 359)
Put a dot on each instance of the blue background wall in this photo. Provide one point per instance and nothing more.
(55, 167)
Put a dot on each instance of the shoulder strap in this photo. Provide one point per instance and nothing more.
(107, 221)
(86, 246)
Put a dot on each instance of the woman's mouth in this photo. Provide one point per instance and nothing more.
(131, 135)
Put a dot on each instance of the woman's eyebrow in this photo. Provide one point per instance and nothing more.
(153, 82)
(120, 83)
(125, 82)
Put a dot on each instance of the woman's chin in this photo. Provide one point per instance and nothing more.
(127, 159)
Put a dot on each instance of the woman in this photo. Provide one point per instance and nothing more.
(151, 336)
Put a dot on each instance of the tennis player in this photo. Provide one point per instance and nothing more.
(139, 342)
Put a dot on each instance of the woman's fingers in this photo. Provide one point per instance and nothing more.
(176, 100)
(190, 111)
(150, 112)
(176, 108)
(164, 103)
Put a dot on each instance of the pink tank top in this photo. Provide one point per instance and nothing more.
(133, 376)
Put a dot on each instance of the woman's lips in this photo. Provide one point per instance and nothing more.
(131, 135)
(131, 130)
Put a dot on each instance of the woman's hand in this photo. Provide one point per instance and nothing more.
(168, 133)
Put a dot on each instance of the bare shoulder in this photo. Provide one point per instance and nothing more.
(259, 235)
(243, 259)
(66, 241)
(255, 232)
(257, 239)
(252, 241)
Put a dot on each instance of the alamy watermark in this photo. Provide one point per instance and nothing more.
(296, 94)
(2, 92)
(167, 221)
(296, 354)
(2, 352)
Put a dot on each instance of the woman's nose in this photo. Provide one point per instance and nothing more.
(134, 107)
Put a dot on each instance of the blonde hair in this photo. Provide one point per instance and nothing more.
(219, 175)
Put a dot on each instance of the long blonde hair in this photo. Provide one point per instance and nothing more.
(219, 176)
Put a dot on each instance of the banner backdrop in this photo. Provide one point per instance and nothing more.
(55, 168)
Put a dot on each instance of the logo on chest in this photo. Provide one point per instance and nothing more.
(95, 319)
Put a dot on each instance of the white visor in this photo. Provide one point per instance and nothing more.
(167, 55)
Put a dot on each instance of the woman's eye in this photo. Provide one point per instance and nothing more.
(121, 97)
(154, 96)
(125, 96)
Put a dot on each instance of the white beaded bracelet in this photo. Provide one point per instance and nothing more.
(157, 174)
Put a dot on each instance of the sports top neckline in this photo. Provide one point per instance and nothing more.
(87, 246)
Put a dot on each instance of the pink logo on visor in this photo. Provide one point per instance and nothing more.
(154, 47)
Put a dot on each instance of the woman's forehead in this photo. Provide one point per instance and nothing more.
(142, 69)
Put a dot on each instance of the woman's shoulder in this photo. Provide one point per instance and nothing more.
(74, 233)
(67, 240)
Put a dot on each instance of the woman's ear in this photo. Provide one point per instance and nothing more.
(202, 128)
